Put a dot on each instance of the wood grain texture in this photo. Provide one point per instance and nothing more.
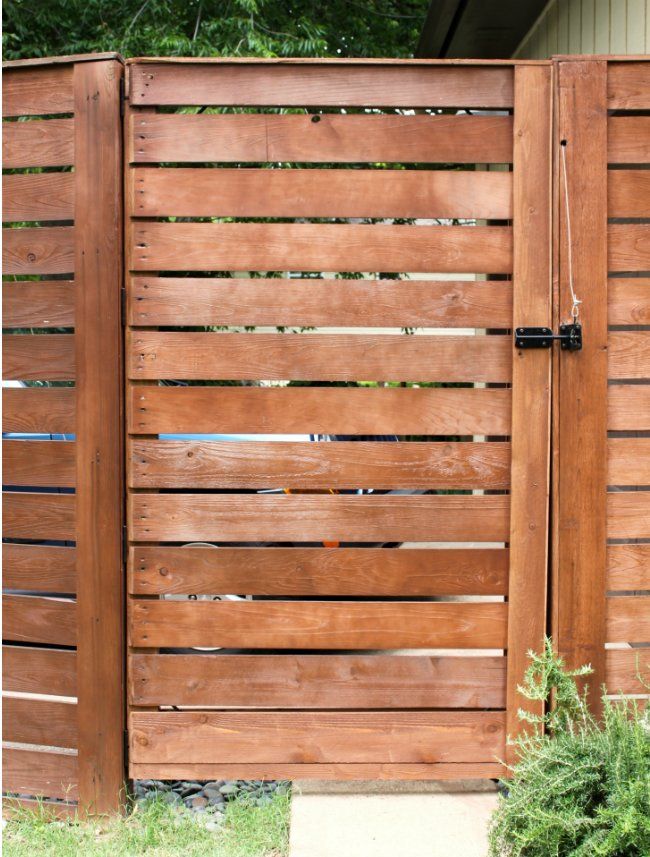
(318, 357)
(317, 681)
(40, 772)
(38, 463)
(323, 247)
(430, 411)
(629, 354)
(627, 670)
(628, 461)
(44, 671)
(38, 196)
(319, 571)
(38, 250)
(186, 192)
(168, 301)
(38, 721)
(330, 138)
(50, 357)
(317, 624)
(343, 85)
(628, 139)
(259, 464)
(628, 567)
(628, 246)
(28, 515)
(47, 809)
(38, 409)
(45, 303)
(628, 193)
(628, 408)
(628, 515)
(627, 86)
(39, 143)
(628, 301)
(37, 91)
(39, 568)
(384, 518)
(29, 619)
(628, 619)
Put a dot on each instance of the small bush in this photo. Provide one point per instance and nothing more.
(581, 788)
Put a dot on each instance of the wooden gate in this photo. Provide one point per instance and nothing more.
(312, 250)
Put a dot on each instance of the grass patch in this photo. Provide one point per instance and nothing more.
(156, 829)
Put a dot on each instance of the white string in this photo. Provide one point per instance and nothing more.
(575, 308)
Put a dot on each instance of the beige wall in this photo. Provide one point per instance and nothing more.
(589, 27)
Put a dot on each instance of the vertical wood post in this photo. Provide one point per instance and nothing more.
(580, 538)
(531, 380)
(98, 217)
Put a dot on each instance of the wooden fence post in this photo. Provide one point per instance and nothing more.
(98, 258)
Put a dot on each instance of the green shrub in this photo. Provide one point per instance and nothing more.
(580, 787)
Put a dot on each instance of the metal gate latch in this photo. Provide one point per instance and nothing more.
(570, 337)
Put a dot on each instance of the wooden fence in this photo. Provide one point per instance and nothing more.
(352, 201)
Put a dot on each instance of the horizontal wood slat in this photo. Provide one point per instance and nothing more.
(627, 671)
(317, 624)
(324, 410)
(187, 464)
(628, 247)
(40, 772)
(317, 681)
(39, 463)
(328, 138)
(628, 139)
(39, 409)
(26, 357)
(46, 303)
(28, 619)
(628, 193)
(37, 91)
(628, 567)
(38, 196)
(38, 250)
(319, 357)
(39, 568)
(628, 619)
(50, 810)
(628, 461)
(29, 515)
(629, 354)
(168, 301)
(325, 247)
(38, 721)
(321, 193)
(628, 407)
(227, 84)
(39, 143)
(319, 571)
(628, 301)
(628, 84)
(44, 671)
(628, 515)
(214, 517)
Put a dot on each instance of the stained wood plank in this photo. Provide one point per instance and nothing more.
(168, 301)
(317, 624)
(38, 409)
(44, 671)
(319, 357)
(628, 461)
(628, 515)
(628, 246)
(181, 464)
(41, 568)
(184, 192)
(39, 143)
(329, 138)
(315, 681)
(628, 301)
(628, 139)
(628, 407)
(628, 193)
(628, 567)
(49, 357)
(627, 86)
(319, 571)
(628, 619)
(322, 247)
(629, 354)
(48, 810)
(627, 670)
(343, 85)
(38, 196)
(29, 619)
(38, 463)
(428, 411)
(37, 91)
(38, 721)
(38, 250)
(46, 303)
(29, 515)
(383, 518)
(40, 772)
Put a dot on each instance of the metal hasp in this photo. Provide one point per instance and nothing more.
(570, 337)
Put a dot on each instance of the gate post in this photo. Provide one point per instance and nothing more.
(98, 261)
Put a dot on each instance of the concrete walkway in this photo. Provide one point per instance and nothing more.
(391, 819)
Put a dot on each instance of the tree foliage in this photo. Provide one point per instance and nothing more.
(263, 28)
